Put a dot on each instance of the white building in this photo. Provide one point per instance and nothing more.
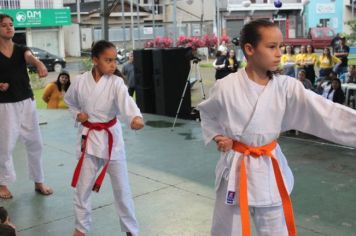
(39, 23)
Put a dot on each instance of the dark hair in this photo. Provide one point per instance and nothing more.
(302, 71)
(117, 72)
(291, 49)
(99, 46)
(338, 81)
(328, 55)
(311, 46)
(58, 83)
(250, 34)
(3, 215)
(3, 16)
(7, 230)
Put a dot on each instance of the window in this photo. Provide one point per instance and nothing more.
(10, 3)
(43, 3)
(324, 22)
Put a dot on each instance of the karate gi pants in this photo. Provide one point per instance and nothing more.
(269, 221)
(20, 119)
(117, 170)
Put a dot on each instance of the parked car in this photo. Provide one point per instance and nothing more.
(122, 56)
(52, 62)
(318, 37)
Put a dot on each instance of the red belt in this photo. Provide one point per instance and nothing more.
(257, 152)
(97, 127)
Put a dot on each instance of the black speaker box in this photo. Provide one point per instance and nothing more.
(170, 72)
(145, 94)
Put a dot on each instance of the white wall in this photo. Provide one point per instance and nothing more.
(87, 37)
(27, 4)
(71, 40)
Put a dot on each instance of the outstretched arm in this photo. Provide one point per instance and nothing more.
(31, 59)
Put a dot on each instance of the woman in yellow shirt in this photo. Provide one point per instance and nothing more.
(299, 59)
(327, 62)
(288, 62)
(309, 62)
(54, 92)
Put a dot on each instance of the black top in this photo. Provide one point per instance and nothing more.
(13, 70)
(339, 96)
(221, 72)
(343, 59)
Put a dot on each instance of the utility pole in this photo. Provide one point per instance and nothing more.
(154, 22)
(123, 22)
(202, 18)
(174, 23)
(104, 19)
(138, 21)
(132, 25)
(78, 11)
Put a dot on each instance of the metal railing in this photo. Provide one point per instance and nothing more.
(43, 3)
(9, 4)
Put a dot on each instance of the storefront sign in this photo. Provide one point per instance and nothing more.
(39, 17)
(324, 8)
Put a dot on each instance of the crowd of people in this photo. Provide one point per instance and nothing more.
(323, 74)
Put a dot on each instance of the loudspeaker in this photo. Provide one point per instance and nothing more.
(170, 71)
(144, 85)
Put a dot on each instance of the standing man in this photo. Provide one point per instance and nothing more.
(129, 71)
(18, 115)
(342, 52)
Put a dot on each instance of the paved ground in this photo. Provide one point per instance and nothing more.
(172, 174)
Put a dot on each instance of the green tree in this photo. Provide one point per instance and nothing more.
(352, 37)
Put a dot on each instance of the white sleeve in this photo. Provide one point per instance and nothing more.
(71, 98)
(311, 113)
(209, 112)
(125, 104)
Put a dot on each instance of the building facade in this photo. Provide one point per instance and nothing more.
(233, 14)
(325, 13)
(39, 23)
(131, 23)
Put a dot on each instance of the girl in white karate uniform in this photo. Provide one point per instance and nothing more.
(244, 115)
(95, 99)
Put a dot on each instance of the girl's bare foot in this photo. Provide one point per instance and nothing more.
(4, 192)
(41, 188)
(78, 233)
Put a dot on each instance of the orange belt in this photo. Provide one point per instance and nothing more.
(98, 127)
(257, 152)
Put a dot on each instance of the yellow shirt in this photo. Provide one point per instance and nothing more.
(287, 59)
(53, 97)
(299, 59)
(310, 58)
(325, 63)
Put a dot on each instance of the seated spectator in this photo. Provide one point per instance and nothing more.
(335, 93)
(54, 92)
(350, 75)
(323, 84)
(5, 219)
(7, 230)
(302, 78)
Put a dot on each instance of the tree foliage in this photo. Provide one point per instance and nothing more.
(352, 37)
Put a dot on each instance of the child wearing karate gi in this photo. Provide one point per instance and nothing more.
(244, 115)
(95, 99)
